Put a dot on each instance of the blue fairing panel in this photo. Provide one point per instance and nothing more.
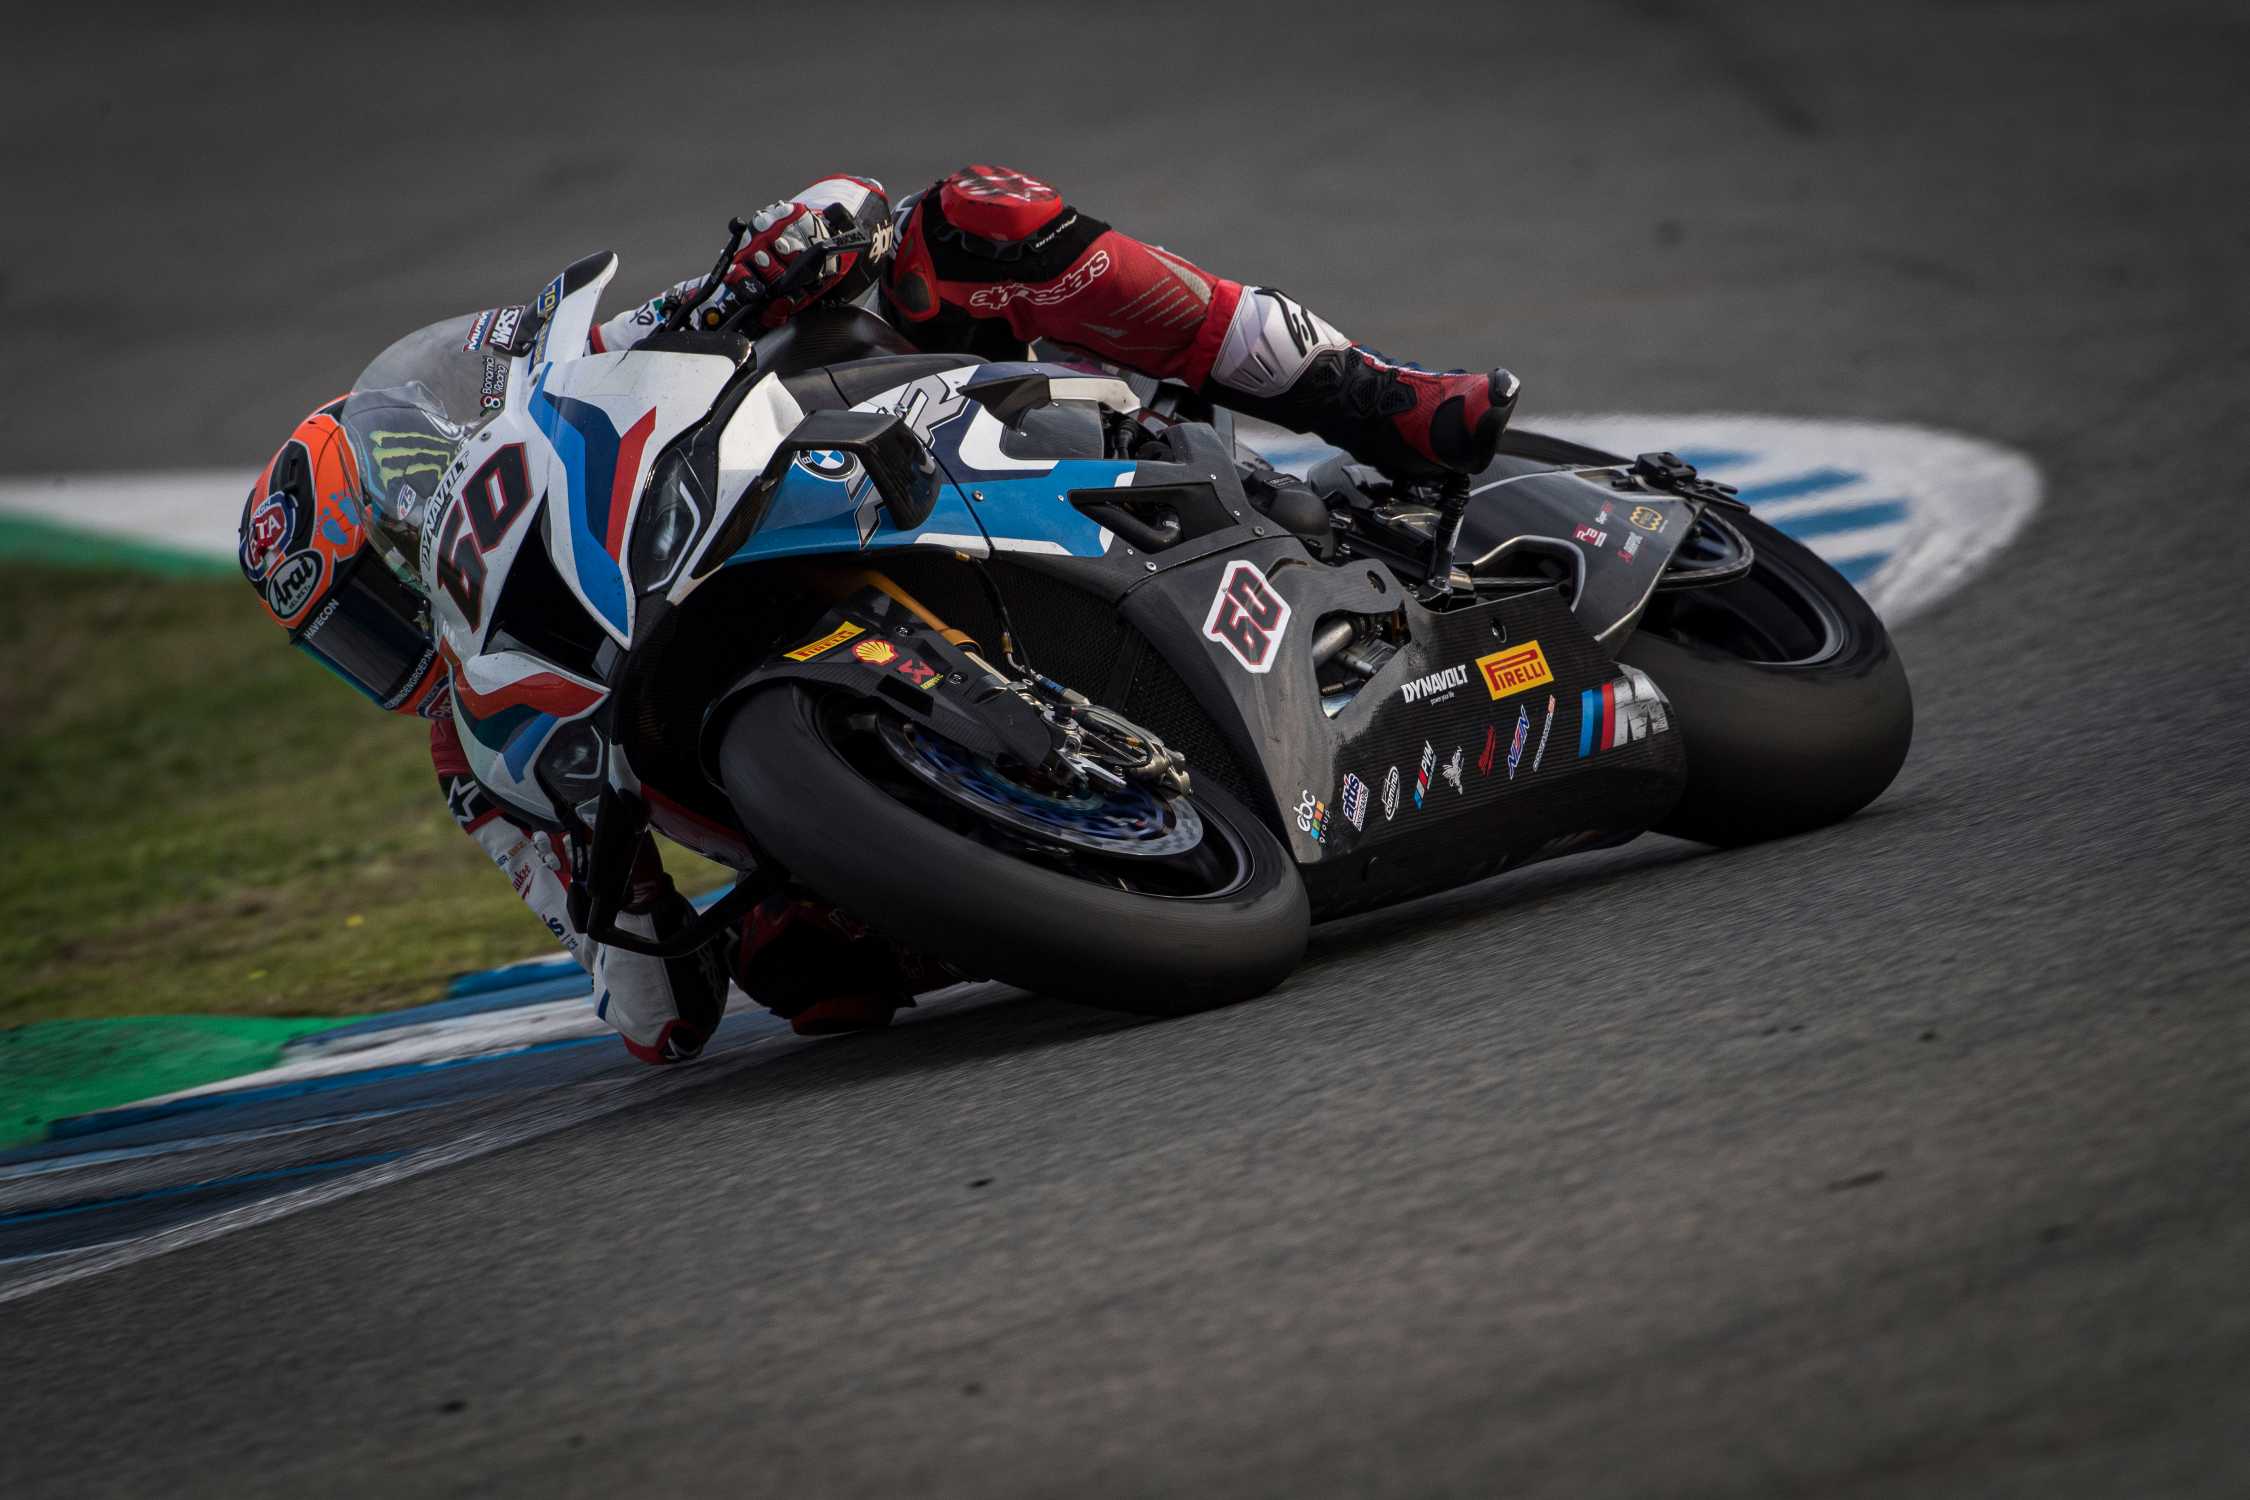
(814, 513)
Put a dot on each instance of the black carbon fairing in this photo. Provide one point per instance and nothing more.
(1421, 782)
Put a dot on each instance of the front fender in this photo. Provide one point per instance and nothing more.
(873, 645)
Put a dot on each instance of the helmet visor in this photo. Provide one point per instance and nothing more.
(373, 632)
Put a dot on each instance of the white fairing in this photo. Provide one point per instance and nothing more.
(565, 459)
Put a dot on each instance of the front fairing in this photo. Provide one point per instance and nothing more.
(559, 472)
(1001, 493)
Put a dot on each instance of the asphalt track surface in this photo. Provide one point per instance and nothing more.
(1902, 1158)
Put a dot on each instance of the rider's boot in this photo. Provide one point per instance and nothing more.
(817, 969)
(1285, 364)
(665, 1009)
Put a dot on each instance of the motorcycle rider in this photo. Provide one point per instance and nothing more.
(983, 261)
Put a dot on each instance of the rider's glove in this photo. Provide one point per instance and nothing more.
(777, 242)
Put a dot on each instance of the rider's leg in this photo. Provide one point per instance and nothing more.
(990, 257)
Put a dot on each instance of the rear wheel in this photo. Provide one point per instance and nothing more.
(1791, 700)
(1115, 897)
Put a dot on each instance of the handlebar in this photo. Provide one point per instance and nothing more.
(806, 270)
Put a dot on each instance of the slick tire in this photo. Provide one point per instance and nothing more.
(1777, 747)
(991, 913)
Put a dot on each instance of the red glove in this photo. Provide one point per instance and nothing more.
(782, 235)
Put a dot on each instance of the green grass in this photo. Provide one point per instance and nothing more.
(200, 820)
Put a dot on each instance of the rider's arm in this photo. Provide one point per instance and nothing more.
(537, 864)
(989, 247)
(664, 1008)
(861, 198)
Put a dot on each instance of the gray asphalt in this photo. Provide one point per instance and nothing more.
(1906, 1158)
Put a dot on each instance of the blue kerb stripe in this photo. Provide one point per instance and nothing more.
(487, 1000)
(1813, 483)
(1712, 458)
(214, 1185)
(1589, 708)
(1856, 569)
(111, 1119)
(1829, 522)
(534, 982)
(537, 971)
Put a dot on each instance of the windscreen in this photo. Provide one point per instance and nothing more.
(402, 441)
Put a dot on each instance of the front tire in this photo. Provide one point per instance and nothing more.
(978, 895)
(1790, 695)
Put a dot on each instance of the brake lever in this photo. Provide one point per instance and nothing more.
(676, 320)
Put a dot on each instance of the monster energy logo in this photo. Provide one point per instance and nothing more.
(399, 454)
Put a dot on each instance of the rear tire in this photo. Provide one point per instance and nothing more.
(996, 912)
(1786, 744)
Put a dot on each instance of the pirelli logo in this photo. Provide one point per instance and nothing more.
(828, 642)
(1513, 670)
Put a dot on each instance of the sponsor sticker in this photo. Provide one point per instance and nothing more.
(1061, 289)
(1422, 773)
(1312, 816)
(1451, 770)
(918, 672)
(1514, 669)
(1436, 687)
(1545, 725)
(1247, 616)
(1390, 794)
(470, 808)
(479, 330)
(1491, 745)
(875, 653)
(293, 584)
(1354, 799)
(268, 534)
(1515, 746)
(828, 642)
(549, 296)
(1647, 517)
(1591, 536)
(1619, 712)
(505, 322)
(492, 394)
(1632, 545)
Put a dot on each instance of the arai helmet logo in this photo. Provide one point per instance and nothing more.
(293, 583)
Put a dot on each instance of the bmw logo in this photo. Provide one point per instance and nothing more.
(828, 463)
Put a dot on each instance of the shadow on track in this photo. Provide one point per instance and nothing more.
(975, 1029)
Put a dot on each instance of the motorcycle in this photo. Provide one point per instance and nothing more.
(1038, 669)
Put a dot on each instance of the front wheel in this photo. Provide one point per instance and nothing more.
(1119, 899)
(1790, 697)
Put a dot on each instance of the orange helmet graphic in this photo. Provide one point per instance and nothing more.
(328, 568)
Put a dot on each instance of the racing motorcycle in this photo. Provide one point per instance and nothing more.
(1039, 670)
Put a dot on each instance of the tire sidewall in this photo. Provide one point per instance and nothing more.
(1780, 748)
(948, 896)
